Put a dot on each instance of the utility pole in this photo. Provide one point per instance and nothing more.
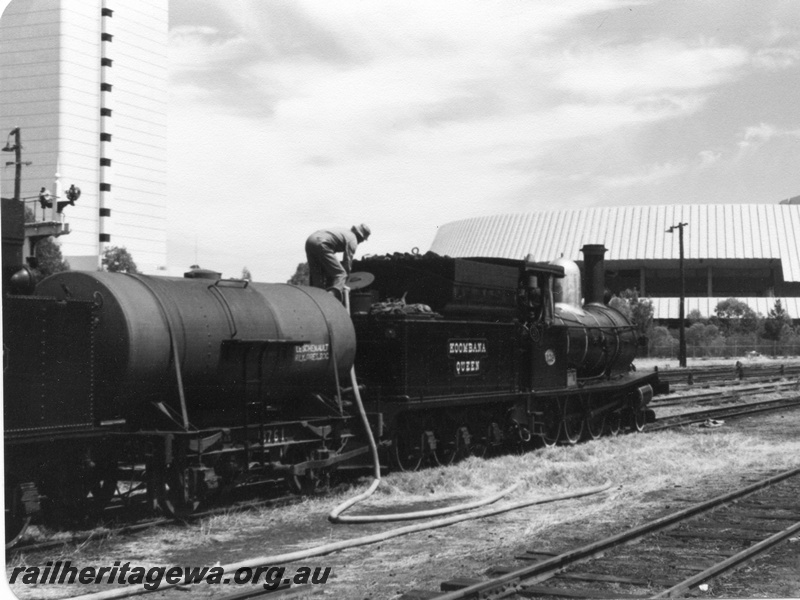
(681, 313)
(16, 148)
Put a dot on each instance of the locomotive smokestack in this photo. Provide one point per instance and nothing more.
(594, 272)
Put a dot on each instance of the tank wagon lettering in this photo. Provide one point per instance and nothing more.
(308, 352)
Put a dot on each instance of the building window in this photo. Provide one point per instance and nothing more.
(105, 112)
(106, 62)
(105, 187)
(105, 137)
(105, 162)
(107, 12)
(106, 37)
(105, 212)
(105, 87)
(105, 237)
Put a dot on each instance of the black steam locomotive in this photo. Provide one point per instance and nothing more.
(169, 392)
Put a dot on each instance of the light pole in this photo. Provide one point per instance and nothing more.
(681, 313)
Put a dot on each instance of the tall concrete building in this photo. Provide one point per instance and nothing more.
(85, 81)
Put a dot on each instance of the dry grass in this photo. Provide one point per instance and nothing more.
(645, 470)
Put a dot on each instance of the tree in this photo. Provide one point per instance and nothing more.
(637, 309)
(734, 317)
(246, 275)
(695, 316)
(777, 325)
(301, 276)
(49, 258)
(118, 260)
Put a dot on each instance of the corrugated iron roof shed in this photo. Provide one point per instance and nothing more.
(714, 231)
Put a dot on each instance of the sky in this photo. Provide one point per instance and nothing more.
(290, 116)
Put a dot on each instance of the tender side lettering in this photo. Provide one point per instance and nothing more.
(464, 367)
(468, 347)
(467, 355)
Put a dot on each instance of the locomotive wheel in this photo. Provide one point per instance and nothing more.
(409, 447)
(176, 499)
(595, 425)
(637, 419)
(572, 421)
(614, 423)
(551, 426)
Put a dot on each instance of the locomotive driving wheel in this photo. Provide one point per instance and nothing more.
(614, 422)
(595, 424)
(637, 419)
(551, 425)
(572, 421)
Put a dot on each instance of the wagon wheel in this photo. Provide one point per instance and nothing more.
(176, 498)
(595, 425)
(551, 425)
(455, 448)
(103, 487)
(572, 421)
(409, 447)
(16, 519)
(312, 481)
(614, 423)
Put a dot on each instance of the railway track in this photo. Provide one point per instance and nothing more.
(731, 375)
(727, 412)
(674, 553)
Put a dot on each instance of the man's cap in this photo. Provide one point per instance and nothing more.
(363, 230)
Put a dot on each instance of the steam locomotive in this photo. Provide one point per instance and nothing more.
(172, 392)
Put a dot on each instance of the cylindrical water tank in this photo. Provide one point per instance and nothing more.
(308, 334)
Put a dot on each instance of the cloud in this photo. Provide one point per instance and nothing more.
(756, 136)
(651, 175)
(648, 68)
(708, 158)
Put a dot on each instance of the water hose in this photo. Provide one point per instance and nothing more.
(335, 515)
(252, 563)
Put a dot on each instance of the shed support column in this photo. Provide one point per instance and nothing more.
(710, 287)
(642, 290)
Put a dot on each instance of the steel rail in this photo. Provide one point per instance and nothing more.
(684, 586)
(729, 411)
(512, 582)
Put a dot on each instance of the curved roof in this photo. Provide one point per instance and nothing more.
(714, 231)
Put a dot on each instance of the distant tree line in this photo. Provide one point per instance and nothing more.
(733, 330)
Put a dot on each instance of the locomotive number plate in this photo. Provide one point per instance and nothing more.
(467, 356)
